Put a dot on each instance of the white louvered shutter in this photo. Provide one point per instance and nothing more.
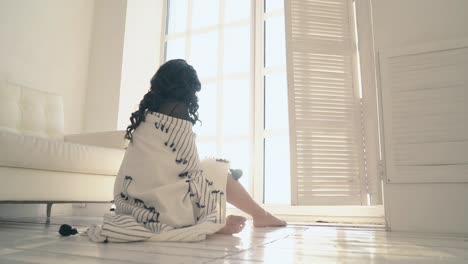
(425, 95)
(324, 105)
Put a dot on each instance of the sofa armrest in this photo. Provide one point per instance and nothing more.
(108, 139)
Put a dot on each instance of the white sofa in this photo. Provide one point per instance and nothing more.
(39, 164)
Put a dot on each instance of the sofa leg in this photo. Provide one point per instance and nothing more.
(49, 210)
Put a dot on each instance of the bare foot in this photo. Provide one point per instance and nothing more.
(234, 225)
(266, 220)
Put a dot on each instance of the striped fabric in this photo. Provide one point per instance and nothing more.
(163, 192)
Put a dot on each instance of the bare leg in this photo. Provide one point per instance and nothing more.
(240, 198)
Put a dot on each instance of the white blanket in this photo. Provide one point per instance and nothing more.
(162, 191)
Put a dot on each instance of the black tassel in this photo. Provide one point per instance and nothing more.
(66, 230)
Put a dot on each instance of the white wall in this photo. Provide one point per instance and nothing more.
(45, 45)
(100, 55)
(399, 23)
(125, 54)
(141, 58)
(105, 66)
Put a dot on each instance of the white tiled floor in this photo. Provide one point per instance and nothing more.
(31, 241)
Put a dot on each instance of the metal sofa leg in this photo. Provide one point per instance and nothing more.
(49, 210)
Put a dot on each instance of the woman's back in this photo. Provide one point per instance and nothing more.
(162, 151)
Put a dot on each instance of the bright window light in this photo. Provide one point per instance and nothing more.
(277, 180)
(215, 37)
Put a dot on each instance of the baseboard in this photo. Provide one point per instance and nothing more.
(19, 210)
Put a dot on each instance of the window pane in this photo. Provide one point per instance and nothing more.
(204, 13)
(177, 16)
(175, 49)
(275, 42)
(277, 174)
(274, 5)
(236, 107)
(276, 102)
(235, 10)
(238, 153)
(207, 111)
(236, 50)
(204, 54)
(206, 149)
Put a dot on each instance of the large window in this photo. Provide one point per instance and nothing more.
(215, 37)
(238, 48)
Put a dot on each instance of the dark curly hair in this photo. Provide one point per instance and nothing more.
(175, 82)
